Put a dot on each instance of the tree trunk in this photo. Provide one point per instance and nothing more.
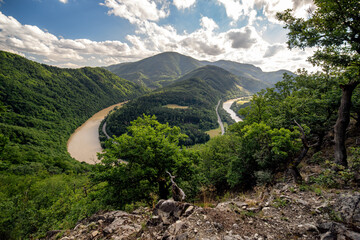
(342, 123)
(293, 170)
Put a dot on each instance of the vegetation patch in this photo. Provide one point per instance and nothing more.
(175, 106)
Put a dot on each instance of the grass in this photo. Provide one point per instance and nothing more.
(175, 106)
(214, 132)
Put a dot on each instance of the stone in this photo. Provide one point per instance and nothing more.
(352, 235)
(348, 207)
(189, 211)
(328, 236)
(94, 233)
(170, 211)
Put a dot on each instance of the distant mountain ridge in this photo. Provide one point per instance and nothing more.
(156, 71)
(164, 68)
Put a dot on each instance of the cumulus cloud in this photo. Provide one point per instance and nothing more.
(237, 44)
(183, 4)
(273, 50)
(236, 9)
(208, 23)
(32, 40)
(136, 10)
(241, 39)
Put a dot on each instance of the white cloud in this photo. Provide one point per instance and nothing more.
(64, 1)
(183, 4)
(208, 23)
(236, 44)
(237, 9)
(135, 10)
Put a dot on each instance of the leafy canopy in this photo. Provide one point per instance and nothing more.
(135, 163)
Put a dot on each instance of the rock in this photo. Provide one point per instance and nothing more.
(309, 227)
(94, 233)
(328, 236)
(352, 235)
(189, 211)
(170, 211)
(348, 207)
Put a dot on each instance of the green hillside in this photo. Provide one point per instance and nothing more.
(157, 71)
(250, 71)
(196, 95)
(43, 105)
(162, 69)
(226, 82)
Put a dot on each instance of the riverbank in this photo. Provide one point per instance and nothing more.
(226, 107)
(84, 143)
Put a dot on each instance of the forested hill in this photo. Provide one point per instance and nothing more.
(44, 104)
(188, 103)
(156, 71)
(250, 71)
(226, 82)
(162, 69)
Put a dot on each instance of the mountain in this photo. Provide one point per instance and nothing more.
(162, 69)
(189, 103)
(221, 79)
(250, 71)
(44, 104)
(156, 71)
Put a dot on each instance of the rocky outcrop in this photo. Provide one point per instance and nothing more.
(345, 216)
(283, 212)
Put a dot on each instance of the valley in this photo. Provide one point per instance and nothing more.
(49, 155)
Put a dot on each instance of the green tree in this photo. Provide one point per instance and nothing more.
(135, 163)
(261, 149)
(334, 29)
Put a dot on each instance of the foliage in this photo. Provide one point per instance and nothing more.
(311, 99)
(334, 30)
(261, 148)
(33, 204)
(41, 186)
(134, 164)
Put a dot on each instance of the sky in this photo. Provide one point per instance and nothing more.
(78, 33)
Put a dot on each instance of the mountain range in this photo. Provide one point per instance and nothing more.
(163, 69)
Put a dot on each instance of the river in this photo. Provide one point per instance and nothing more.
(84, 143)
(226, 107)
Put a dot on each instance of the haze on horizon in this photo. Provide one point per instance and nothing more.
(77, 33)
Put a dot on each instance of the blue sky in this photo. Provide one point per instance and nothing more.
(76, 33)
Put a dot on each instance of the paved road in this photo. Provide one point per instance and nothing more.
(104, 130)
(219, 119)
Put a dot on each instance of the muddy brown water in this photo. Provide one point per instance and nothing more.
(84, 143)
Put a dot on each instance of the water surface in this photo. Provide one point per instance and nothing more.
(84, 143)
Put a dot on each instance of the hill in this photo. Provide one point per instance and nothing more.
(156, 71)
(193, 99)
(218, 76)
(162, 69)
(250, 71)
(44, 104)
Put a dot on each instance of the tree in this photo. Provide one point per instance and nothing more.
(135, 163)
(334, 29)
(262, 151)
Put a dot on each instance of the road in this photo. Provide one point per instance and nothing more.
(219, 119)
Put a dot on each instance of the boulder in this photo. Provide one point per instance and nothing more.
(170, 211)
